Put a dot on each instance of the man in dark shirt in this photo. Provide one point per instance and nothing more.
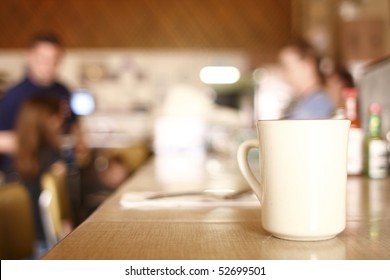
(43, 58)
(15, 96)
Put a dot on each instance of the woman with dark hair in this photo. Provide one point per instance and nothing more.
(301, 67)
(38, 130)
(339, 79)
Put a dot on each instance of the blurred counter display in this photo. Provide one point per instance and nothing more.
(116, 130)
(120, 142)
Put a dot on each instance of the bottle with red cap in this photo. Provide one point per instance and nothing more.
(350, 96)
(375, 146)
(356, 133)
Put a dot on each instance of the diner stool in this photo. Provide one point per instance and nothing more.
(55, 206)
(17, 235)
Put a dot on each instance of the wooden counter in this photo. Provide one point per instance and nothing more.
(113, 232)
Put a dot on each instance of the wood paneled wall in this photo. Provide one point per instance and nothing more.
(248, 24)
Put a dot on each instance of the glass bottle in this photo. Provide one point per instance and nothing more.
(375, 146)
(350, 96)
(356, 134)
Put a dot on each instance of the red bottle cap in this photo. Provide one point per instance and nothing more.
(349, 92)
(375, 108)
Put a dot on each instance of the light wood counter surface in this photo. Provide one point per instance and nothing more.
(113, 232)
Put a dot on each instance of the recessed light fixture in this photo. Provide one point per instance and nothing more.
(219, 75)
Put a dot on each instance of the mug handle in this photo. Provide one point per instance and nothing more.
(242, 158)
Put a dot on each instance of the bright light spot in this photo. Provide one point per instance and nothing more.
(82, 102)
(219, 75)
(260, 75)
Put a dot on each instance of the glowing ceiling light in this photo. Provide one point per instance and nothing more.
(219, 75)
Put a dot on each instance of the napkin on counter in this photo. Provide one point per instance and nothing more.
(140, 200)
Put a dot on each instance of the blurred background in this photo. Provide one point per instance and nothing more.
(125, 57)
(130, 55)
(167, 77)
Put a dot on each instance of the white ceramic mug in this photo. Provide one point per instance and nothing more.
(303, 173)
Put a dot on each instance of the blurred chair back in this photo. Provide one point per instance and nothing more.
(374, 87)
(54, 204)
(17, 235)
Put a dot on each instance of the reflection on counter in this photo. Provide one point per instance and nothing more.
(278, 249)
(367, 204)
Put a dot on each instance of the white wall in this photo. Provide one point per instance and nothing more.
(119, 88)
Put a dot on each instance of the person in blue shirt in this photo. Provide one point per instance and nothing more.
(43, 58)
(301, 68)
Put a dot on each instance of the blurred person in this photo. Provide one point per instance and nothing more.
(301, 68)
(339, 79)
(37, 132)
(272, 94)
(43, 58)
(115, 173)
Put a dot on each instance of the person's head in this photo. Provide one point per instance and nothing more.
(301, 66)
(38, 126)
(342, 77)
(339, 79)
(43, 58)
